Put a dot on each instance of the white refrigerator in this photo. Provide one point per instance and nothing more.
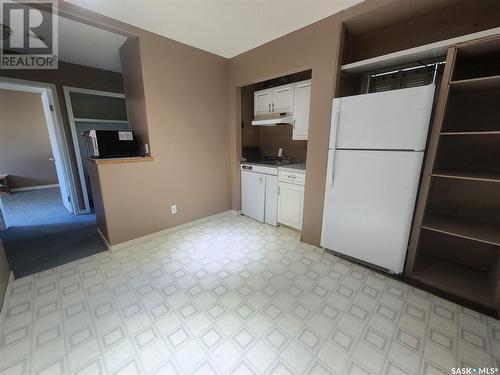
(377, 144)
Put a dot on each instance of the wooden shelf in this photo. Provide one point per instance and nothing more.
(426, 51)
(468, 283)
(472, 230)
(482, 83)
(468, 176)
(486, 132)
(103, 121)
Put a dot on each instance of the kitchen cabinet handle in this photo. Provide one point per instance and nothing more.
(292, 177)
(269, 107)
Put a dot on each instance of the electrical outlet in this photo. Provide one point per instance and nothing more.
(173, 209)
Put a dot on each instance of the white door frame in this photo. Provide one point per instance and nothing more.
(72, 124)
(3, 224)
(56, 132)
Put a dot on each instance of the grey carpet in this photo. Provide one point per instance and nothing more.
(42, 234)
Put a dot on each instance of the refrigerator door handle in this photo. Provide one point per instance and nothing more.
(333, 137)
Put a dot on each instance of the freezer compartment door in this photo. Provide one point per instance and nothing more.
(369, 203)
(390, 120)
(253, 195)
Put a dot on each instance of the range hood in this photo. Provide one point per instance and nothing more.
(279, 119)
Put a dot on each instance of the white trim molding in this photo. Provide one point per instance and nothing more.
(152, 236)
(36, 187)
(101, 121)
(103, 238)
(8, 292)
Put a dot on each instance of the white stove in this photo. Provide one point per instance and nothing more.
(259, 192)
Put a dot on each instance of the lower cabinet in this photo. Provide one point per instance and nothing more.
(290, 204)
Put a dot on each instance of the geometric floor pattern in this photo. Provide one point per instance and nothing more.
(233, 296)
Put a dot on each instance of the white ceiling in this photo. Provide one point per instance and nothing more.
(90, 46)
(223, 27)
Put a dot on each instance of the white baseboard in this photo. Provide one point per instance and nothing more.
(8, 291)
(163, 232)
(38, 187)
(103, 238)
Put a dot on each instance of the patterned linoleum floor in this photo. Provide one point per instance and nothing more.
(234, 296)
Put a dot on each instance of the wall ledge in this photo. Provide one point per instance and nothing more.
(135, 159)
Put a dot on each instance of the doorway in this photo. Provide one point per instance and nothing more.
(92, 110)
(41, 229)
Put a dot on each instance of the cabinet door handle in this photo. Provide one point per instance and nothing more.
(292, 177)
(269, 107)
(293, 124)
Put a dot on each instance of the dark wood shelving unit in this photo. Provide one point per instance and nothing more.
(469, 229)
(481, 83)
(472, 284)
(455, 241)
(467, 176)
(485, 132)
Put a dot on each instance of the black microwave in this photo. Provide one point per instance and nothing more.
(110, 143)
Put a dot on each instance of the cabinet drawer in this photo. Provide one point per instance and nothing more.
(292, 177)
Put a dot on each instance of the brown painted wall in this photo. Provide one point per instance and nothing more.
(185, 101)
(274, 137)
(250, 135)
(24, 142)
(75, 76)
(133, 83)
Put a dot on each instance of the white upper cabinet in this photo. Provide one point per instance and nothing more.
(294, 98)
(274, 100)
(282, 99)
(302, 100)
(262, 102)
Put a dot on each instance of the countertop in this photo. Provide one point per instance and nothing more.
(300, 168)
(134, 159)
